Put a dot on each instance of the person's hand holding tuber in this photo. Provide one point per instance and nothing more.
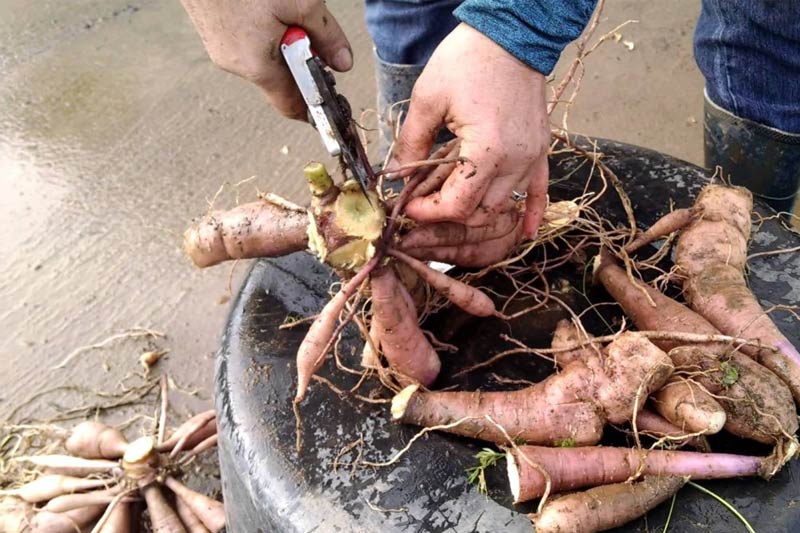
(495, 105)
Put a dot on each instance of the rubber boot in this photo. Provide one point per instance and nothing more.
(395, 83)
(763, 159)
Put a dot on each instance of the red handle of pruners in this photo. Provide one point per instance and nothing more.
(294, 34)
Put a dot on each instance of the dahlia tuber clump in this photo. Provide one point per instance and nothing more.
(354, 233)
(100, 479)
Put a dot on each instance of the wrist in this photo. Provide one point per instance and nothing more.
(534, 32)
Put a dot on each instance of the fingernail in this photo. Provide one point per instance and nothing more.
(530, 228)
(343, 60)
(388, 173)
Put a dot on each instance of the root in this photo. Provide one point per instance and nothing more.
(421, 433)
(282, 202)
(298, 427)
(629, 271)
(345, 394)
(127, 334)
(194, 428)
(205, 445)
(352, 312)
(685, 338)
(129, 396)
(666, 225)
(396, 173)
(110, 509)
(511, 381)
(292, 322)
(438, 345)
(359, 443)
(774, 252)
(161, 423)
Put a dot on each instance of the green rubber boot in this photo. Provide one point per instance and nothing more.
(395, 83)
(763, 159)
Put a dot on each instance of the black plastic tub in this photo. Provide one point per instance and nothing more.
(269, 488)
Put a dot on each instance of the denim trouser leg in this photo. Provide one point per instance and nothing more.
(749, 53)
(405, 33)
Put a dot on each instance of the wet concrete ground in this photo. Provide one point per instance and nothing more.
(115, 130)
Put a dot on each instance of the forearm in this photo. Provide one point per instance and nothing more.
(533, 31)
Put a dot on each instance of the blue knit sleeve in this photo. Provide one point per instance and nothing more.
(533, 31)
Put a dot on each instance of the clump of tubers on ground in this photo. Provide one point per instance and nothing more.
(94, 486)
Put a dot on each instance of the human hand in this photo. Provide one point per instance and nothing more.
(243, 37)
(495, 105)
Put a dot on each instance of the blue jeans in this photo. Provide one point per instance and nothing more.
(749, 53)
(406, 32)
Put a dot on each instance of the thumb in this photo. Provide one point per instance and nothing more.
(328, 39)
(283, 94)
(536, 202)
(418, 133)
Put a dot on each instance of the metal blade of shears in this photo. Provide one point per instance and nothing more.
(339, 114)
(328, 111)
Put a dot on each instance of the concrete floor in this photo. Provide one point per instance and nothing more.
(115, 130)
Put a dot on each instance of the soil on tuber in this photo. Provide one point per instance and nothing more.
(711, 253)
(604, 507)
(758, 405)
(406, 348)
(257, 229)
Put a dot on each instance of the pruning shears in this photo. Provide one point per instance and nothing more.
(328, 111)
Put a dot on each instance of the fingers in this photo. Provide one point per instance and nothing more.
(498, 195)
(244, 38)
(471, 255)
(327, 37)
(536, 202)
(282, 93)
(456, 234)
(484, 216)
(439, 173)
(461, 192)
(418, 134)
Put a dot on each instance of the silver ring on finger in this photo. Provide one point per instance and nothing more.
(518, 196)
